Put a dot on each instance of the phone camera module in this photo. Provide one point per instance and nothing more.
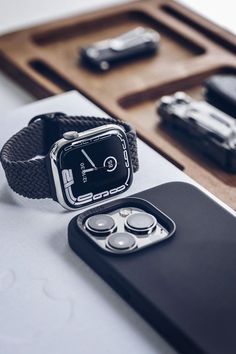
(100, 224)
(121, 241)
(140, 223)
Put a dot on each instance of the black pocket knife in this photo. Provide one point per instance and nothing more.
(130, 45)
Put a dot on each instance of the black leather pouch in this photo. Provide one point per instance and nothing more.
(220, 91)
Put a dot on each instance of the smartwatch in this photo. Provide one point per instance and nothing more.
(75, 160)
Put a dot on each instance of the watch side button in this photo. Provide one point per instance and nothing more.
(70, 135)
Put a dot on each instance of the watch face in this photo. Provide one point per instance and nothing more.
(95, 168)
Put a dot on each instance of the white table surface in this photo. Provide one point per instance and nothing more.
(50, 301)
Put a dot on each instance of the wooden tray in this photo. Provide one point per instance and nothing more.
(44, 59)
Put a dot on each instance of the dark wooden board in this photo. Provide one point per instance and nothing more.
(44, 59)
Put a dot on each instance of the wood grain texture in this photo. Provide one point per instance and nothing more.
(45, 60)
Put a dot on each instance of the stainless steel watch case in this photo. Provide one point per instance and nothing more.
(73, 138)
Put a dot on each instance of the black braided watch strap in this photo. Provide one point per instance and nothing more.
(23, 155)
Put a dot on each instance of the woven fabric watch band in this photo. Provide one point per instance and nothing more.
(23, 155)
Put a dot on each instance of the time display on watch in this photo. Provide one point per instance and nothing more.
(95, 168)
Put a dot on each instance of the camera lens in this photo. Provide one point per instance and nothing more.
(121, 241)
(100, 224)
(141, 223)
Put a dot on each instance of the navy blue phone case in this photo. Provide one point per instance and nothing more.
(185, 286)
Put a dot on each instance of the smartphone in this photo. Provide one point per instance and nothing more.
(176, 267)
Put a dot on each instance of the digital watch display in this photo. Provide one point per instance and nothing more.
(94, 165)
